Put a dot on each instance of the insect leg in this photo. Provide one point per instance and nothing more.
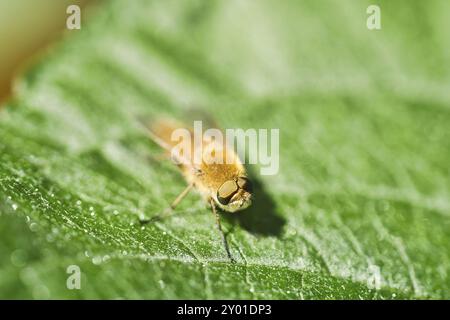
(219, 227)
(172, 206)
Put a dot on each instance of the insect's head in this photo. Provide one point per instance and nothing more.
(235, 195)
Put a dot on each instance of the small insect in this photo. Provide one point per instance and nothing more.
(222, 184)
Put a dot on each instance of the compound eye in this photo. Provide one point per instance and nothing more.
(226, 191)
(244, 183)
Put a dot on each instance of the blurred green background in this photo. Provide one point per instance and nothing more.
(27, 26)
(359, 210)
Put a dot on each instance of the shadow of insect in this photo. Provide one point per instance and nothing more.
(261, 218)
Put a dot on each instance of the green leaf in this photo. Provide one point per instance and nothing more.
(359, 209)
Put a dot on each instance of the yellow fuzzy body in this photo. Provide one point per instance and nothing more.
(206, 176)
